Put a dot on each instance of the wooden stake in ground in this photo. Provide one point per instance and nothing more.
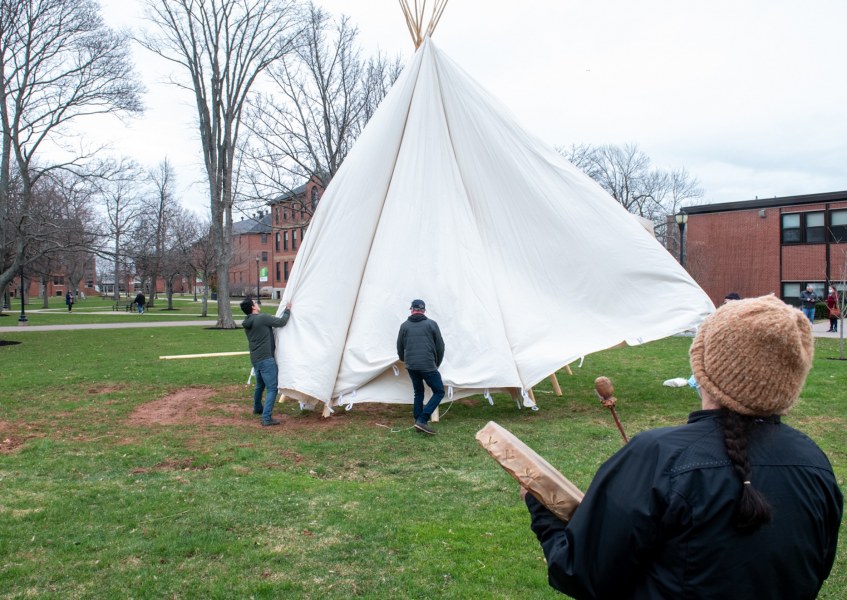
(555, 383)
(604, 388)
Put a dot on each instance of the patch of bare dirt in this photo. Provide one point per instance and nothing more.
(13, 437)
(184, 407)
(104, 389)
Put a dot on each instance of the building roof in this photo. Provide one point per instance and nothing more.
(767, 203)
(258, 223)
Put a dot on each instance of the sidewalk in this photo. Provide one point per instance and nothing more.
(22, 329)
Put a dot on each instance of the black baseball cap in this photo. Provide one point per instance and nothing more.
(418, 305)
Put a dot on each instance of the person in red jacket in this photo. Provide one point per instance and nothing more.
(832, 305)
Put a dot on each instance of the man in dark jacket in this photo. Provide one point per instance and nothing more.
(735, 504)
(260, 335)
(420, 346)
(809, 300)
(139, 302)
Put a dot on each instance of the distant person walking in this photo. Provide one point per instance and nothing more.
(140, 300)
(834, 312)
(260, 335)
(421, 348)
(69, 300)
(809, 299)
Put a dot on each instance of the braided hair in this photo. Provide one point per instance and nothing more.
(753, 509)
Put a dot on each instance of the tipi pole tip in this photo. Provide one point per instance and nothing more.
(415, 19)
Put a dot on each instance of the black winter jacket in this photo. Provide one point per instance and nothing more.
(259, 330)
(419, 344)
(656, 520)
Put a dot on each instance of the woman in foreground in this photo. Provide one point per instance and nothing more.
(734, 504)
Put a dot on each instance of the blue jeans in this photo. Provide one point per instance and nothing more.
(810, 312)
(266, 373)
(140, 309)
(433, 380)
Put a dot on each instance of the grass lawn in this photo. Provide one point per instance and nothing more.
(126, 476)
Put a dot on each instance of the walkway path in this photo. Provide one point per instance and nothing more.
(20, 329)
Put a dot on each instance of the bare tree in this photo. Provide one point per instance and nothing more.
(183, 233)
(626, 173)
(223, 46)
(119, 189)
(58, 64)
(322, 96)
(201, 259)
(153, 227)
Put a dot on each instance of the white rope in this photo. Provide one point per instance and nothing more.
(487, 396)
(581, 360)
(252, 372)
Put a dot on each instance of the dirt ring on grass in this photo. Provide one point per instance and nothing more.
(233, 406)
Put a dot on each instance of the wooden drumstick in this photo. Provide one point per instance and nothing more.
(604, 388)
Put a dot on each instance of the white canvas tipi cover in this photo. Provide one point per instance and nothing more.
(524, 261)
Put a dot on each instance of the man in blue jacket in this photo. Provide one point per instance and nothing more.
(420, 346)
(260, 335)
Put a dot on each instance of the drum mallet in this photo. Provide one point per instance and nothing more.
(604, 388)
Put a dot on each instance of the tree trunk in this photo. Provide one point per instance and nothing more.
(45, 295)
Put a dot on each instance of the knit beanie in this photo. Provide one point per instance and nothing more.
(752, 356)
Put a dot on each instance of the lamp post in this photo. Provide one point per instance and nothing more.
(681, 219)
(258, 297)
(22, 320)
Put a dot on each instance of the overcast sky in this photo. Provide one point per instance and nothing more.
(749, 96)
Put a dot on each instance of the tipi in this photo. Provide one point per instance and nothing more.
(523, 260)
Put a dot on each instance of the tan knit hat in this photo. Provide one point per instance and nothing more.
(752, 356)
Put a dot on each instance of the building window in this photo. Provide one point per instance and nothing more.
(264, 238)
(791, 231)
(277, 271)
(815, 230)
(803, 228)
(838, 226)
(791, 290)
(276, 216)
(277, 243)
(264, 257)
(294, 239)
(285, 269)
(314, 198)
(285, 241)
(58, 280)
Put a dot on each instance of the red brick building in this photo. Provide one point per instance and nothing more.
(775, 246)
(265, 245)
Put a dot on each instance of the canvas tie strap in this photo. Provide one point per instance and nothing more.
(581, 360)
(349, 405)
(449, 392)
(527, 401)
(250, 377)
(396, 370)
(487, 396)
